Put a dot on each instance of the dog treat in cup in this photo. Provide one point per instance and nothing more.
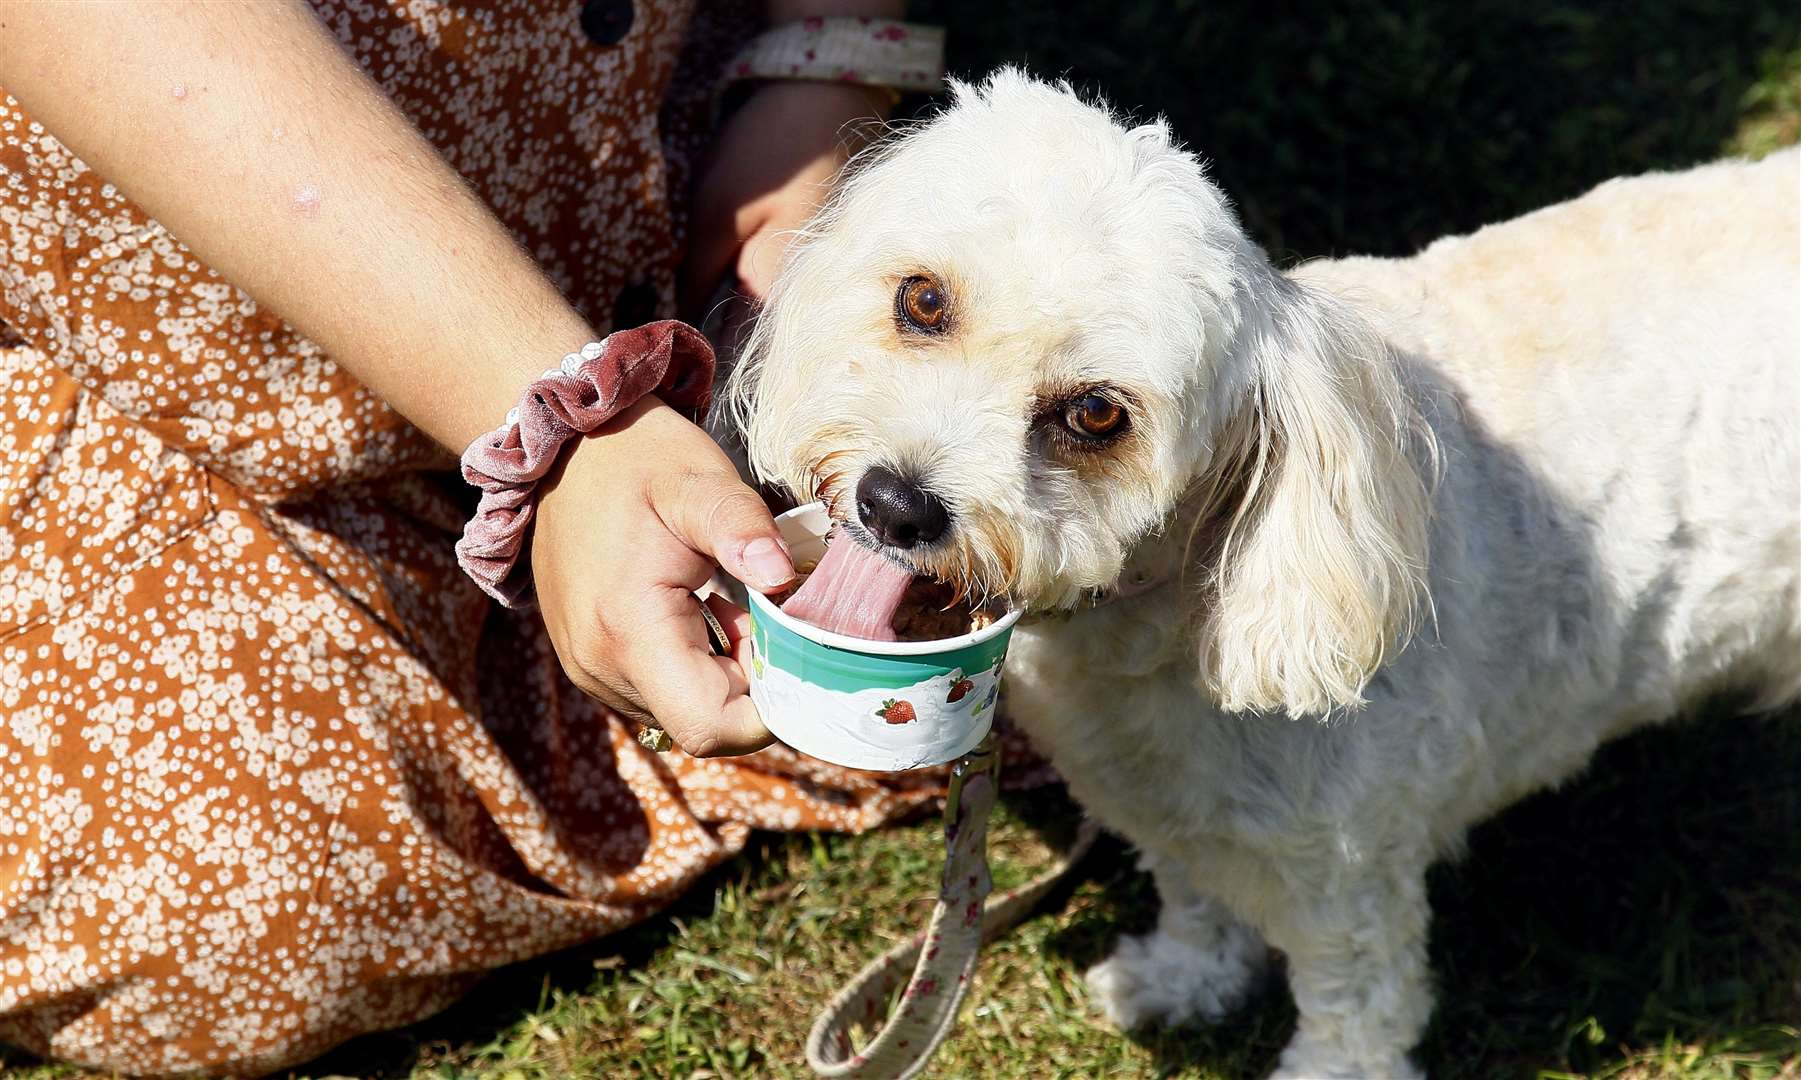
(887, 705)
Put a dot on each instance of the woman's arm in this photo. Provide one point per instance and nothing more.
(248, 132)
(774, 162)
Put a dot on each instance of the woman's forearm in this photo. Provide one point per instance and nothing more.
(247, 131)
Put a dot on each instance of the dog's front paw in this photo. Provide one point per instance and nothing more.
(1162, 978)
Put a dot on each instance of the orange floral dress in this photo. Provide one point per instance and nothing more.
(272, 772)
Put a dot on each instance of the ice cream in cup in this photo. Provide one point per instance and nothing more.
(867, 704)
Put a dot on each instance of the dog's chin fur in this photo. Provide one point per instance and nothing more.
(1487, 496)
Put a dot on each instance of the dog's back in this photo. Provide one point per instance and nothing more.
(1638, 350)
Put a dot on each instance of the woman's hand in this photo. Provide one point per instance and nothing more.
(772, 166)
(628, 527)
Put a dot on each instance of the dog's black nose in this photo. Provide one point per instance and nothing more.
(898, 511)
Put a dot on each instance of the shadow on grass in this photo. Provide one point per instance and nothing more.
(1658, 898)
(1376, 126)
(1654, 901)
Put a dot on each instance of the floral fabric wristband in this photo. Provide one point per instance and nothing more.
(897, 56)
(669, 358)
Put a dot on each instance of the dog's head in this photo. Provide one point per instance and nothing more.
(1022, 337)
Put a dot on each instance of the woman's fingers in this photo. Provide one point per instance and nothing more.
(736, 622)
(715, 514)
(632, 524)
(734, 619)
(699, 698)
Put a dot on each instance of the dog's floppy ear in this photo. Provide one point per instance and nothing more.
(1314, 511)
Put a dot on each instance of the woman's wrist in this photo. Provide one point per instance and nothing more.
(470, 403)
(577, 397)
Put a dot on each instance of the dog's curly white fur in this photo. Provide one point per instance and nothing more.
(1428, 530)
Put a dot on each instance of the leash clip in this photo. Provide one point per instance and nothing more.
(985, 758)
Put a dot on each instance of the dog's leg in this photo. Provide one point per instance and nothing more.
(1357, 966)
(1200, 962)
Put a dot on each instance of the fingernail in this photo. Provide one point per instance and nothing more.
(767, 563)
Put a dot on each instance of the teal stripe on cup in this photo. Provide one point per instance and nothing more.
(840, 669)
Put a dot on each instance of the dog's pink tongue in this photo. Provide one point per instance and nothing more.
(853, 591)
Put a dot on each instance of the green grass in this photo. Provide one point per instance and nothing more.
(1643, 922)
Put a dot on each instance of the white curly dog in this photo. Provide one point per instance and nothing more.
(1328, 565)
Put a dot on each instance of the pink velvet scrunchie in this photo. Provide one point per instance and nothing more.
(669, 358)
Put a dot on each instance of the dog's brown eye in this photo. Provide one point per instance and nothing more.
(920, 304)
(1093, 416)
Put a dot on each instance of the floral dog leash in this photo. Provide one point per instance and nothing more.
(942, 957)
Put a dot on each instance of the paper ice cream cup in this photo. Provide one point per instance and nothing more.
(884, 705)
